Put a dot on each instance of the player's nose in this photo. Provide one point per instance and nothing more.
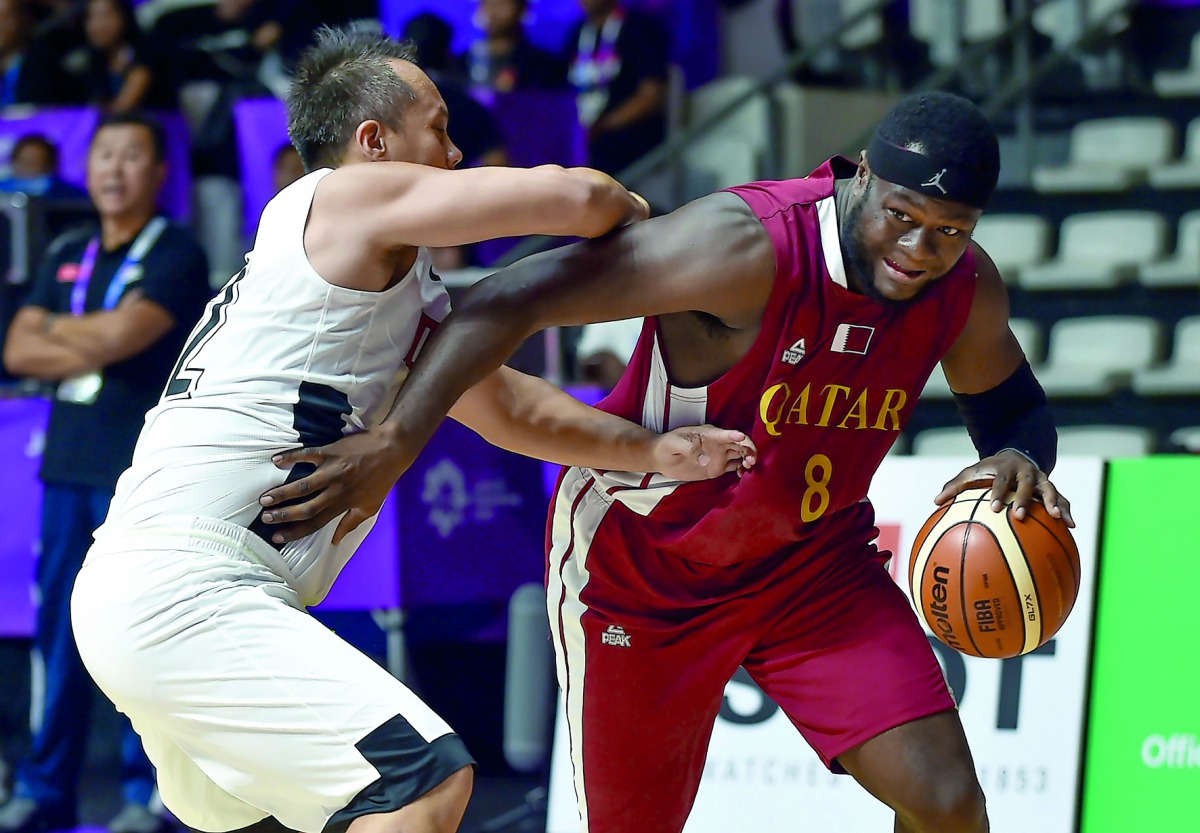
(454, 156)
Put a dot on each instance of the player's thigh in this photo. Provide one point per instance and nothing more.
(641, 677)
(188, 792)
(271, 705)
(849, 662)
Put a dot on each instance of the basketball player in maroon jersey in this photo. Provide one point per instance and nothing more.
(808, 313)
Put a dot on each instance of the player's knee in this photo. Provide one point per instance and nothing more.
(954, 805)
(457, 792)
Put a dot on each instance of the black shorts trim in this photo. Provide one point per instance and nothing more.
(408, 768)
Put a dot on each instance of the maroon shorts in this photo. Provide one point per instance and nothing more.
(646, 641)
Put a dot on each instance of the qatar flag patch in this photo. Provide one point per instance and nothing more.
(852, 338)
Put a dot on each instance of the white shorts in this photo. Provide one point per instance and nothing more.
(247, 706)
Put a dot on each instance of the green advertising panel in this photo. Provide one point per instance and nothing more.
(1142, 769)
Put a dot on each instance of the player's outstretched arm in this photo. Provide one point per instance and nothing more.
(712, 255)
(391, 204)
(518, 412)
(1003, 406)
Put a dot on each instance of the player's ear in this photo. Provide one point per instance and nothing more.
(368, 137)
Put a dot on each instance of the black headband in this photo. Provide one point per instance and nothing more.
(918, 172)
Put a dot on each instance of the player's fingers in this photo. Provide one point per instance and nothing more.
(349, 523)
(1000, 487)
(970, 476)
(301, 529)
(297, 489)
(1026, 490)
(287, 459)
(1057, 505)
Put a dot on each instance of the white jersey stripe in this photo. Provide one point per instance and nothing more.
(578, 511)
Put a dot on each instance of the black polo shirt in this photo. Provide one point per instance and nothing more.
(90, 445)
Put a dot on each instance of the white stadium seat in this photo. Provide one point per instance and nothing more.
(1181, 375)
(1183, 267)
(1185, 171)
(1109, 155)
(945, 442)
(1187, 438)
(1095, 356)
(1100, 250)
(1104, 441)
(1014, 242)
(1186, 81)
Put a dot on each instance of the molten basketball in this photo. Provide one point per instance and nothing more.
(990, 585)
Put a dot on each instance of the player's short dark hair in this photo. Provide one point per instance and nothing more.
(158, 134)
(951, 133)
(342, 80)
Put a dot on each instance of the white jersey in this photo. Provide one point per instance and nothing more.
(281, 359)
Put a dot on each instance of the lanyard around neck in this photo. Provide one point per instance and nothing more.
(145, 240)
(593, 43)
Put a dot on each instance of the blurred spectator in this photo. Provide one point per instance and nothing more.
(619, 71)
(286, 167)
(474, 128)
(33, 169)
(118, 69)
(29, 71)
(105, 319)
(504, 59)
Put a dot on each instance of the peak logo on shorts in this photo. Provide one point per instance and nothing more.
(615, 635)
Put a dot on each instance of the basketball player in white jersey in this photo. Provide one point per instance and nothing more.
(255, 715)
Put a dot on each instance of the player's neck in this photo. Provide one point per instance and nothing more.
(117, 230)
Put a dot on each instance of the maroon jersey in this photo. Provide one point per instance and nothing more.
(824, 391)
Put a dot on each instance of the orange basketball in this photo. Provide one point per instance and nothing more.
(990, 585)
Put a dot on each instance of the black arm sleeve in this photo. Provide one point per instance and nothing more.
(1014, 414)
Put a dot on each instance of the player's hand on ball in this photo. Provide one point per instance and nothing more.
(353, 476)
(700, 452)
(1010, 473)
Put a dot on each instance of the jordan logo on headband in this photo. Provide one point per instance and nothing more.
(935, 181)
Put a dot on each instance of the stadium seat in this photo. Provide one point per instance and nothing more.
(1029, 335)
(1180, 375)
(1109, 155)
(1185, 172)
(1104, 441)
(1100, 250)
(1014, 242)
(1187, 438)
(935, 22)
(1186, 81)
(953, 441)
(732, 151)
(1183, 267)
(1095, 356)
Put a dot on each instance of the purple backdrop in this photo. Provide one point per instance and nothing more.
(261, 125)
(692, 23)
(71, 128)
(22, 433)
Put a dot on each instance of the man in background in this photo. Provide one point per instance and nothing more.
(105, 320)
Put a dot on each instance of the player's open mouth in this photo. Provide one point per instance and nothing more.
(902, 274)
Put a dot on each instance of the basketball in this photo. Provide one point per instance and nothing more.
(988, 584)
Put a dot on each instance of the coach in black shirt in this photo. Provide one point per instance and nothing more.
(105, 320)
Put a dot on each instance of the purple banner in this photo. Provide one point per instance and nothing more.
(22, 435)
(261, 125)
(71, 129)
(472, 522)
